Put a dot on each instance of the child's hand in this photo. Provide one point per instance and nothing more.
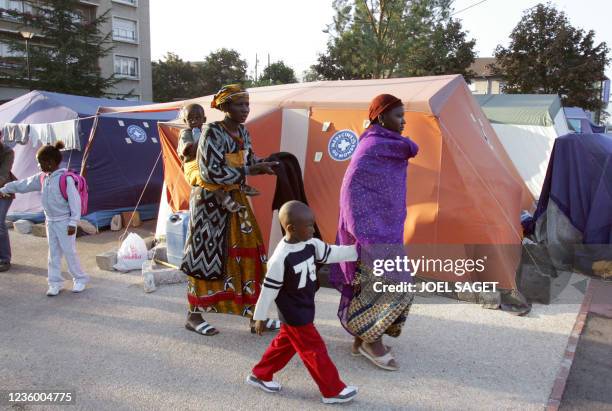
(259, 327)
(2, 195)
(187, 150)
(71, 230)
(193, 151)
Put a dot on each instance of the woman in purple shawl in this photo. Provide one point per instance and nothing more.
(372, 214)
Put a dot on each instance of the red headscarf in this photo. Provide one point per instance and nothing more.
(381, 104)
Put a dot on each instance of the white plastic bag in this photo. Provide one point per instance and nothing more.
(132, 254)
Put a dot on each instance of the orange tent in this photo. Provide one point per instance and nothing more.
(464, 194)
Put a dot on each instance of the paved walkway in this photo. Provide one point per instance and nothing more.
(122, 349)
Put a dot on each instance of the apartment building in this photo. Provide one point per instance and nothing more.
(130, 58)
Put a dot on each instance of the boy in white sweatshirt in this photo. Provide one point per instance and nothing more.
(291, 281)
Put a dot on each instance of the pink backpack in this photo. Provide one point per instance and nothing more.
(81, 186)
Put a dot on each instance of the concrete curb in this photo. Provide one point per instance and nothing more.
(107, 260)
(554, 401)
(154, 275)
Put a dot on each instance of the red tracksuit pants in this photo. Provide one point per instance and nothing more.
(307, 342)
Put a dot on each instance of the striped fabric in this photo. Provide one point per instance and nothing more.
(224, 253)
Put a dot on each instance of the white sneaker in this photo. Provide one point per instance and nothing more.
(345, 395)
(267, 386)
(78, 287)
(54, 290)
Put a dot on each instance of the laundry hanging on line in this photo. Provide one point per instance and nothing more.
(13, 133)
(45, 133)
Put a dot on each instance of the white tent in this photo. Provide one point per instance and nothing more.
(527, 125)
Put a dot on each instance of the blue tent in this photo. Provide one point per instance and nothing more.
(579, 121)
(122, 169)
(575, 205)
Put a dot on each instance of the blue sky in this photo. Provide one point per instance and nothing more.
(292, 30)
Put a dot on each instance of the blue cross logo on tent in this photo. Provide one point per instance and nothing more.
(342, 145)
(137, 134)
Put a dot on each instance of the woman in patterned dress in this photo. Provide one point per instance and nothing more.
(224, 254)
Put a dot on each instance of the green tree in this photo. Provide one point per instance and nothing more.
(334, 65)
(221, 67)
(175, 79)
(391, 38)
(440, 47)
(277, 73)
(66, 52)
(310, 74)
(547, 55)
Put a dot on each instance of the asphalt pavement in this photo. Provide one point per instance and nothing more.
(121, 349)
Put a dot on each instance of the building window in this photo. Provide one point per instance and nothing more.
(125, 30)
(132, 97)
(126, 66)
(10, 59)
(15, 6)
(5, 51)
(130, 2)
(77, 16)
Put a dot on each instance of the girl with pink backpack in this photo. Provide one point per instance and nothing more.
(64, 198)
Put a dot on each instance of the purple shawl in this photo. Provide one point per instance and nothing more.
(372, 198)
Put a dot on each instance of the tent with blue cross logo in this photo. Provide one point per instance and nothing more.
(123, 169)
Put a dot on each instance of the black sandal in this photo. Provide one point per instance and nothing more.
(271, 325)
(203, 328)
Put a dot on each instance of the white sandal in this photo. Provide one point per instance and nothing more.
(381, 362)
(358, 354)
(203, 328)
